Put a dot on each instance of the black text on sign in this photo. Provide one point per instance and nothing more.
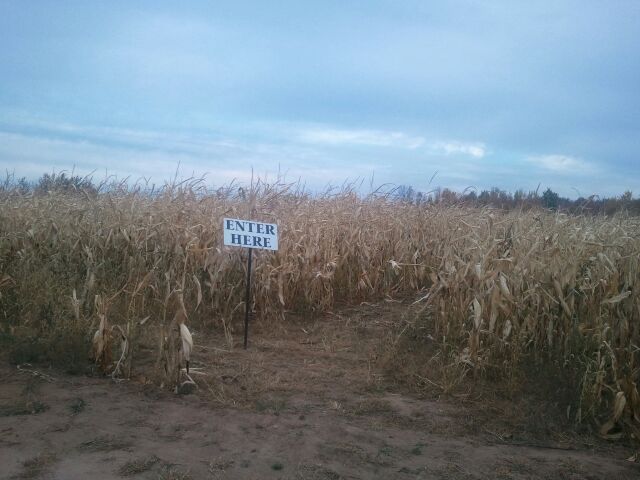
(250, 234)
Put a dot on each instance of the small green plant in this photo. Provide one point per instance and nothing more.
(276, 406)
(277, 466)
(77, 406)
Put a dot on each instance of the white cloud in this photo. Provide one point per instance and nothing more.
(560, 163)
(475, 150)
(381, 138)
(376, 138)
(150, 139)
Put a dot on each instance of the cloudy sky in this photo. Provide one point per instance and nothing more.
(481, 93)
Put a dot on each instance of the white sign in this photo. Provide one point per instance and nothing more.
(250, 234)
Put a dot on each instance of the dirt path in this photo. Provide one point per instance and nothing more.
(302, 404)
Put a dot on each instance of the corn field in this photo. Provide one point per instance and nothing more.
(129, 264)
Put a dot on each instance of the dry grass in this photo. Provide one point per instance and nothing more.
(22, 408)
(538, 299)
(27, 404)
(137, 466)
(105, 443)
(500, 292)
(315, 472)
(171, 473)
(37, 466)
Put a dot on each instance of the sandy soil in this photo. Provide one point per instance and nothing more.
(304, 402)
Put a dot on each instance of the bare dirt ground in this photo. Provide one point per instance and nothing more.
(304, 402)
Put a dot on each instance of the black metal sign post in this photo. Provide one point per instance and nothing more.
(247, 300)
(249, 234)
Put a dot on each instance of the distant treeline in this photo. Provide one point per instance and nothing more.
(526, 200)
(494, 197)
